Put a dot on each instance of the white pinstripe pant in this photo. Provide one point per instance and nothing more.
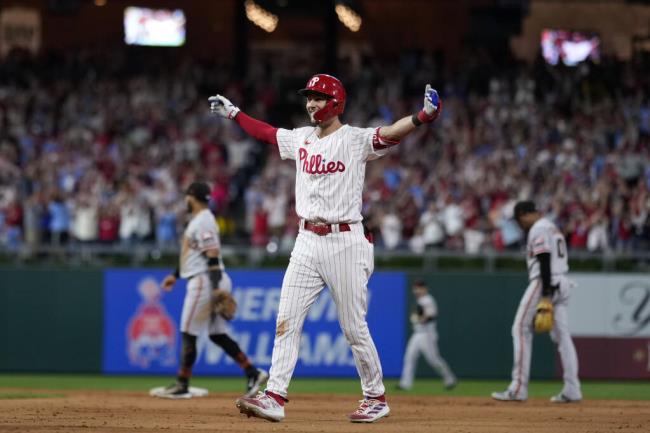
(343, 262)
(522, 338)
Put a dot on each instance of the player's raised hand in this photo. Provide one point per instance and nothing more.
(168, 283)
(223, 107)
(432, 104)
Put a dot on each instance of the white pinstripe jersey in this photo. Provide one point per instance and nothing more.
(544, 237)
(201, 234)
(330, 171)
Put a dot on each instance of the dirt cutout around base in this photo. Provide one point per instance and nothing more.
(117, 411)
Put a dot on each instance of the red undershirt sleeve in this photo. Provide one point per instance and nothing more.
(257, 129)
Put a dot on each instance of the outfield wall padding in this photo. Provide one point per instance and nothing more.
(53, 320)
(474, 324)
(50, 320)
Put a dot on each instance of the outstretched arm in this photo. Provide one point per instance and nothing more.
(255, 128)
(429, 113)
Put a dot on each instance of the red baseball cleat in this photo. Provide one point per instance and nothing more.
(370, 410)
(261, 406)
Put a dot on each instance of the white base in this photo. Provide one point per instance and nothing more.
(196, 392)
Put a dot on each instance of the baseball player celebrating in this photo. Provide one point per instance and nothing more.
(331, 248)
(207, 302)
(544, 306)
(424, 340)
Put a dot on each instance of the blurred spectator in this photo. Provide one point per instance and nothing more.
(13, 222)
(253, 200)
(275, 205)
(100, 147)
(33, 215)
(577, 231)
(109, 224)
(452, 220)
(433, 233)
(260, 233)
(597, 239)
(135, 219)
(59, 222)
(166, 227)
(391, 229)
(85, 220)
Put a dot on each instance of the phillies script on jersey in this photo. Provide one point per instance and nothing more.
(315, 164)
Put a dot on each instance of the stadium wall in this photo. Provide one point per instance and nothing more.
(50, 320)
(117, 321)
(610, 323)
(475, 316)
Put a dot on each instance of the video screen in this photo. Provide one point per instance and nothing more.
(154, 27)
(569, 47)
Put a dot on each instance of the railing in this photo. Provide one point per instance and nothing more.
(148, 254)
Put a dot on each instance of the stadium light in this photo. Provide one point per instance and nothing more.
(348, 17)
(260, 16)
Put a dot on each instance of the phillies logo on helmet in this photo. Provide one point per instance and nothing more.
(151, 332)
(332, 89)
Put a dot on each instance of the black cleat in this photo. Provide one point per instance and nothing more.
(254, 383)
(175, 391)
(451, 385)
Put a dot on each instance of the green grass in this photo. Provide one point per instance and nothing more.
(24, 395)
(632, 390)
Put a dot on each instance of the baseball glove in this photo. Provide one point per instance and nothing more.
(544, 316)
(224, 304)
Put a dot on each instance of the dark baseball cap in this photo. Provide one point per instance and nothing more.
(200, 191)
(522, 208)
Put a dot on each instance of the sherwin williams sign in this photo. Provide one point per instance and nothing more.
(141, 332)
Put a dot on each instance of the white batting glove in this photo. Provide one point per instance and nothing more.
(223, 107)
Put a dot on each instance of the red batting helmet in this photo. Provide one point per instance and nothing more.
(331, 88)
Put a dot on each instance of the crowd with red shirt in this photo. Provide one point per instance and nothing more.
(98, 149)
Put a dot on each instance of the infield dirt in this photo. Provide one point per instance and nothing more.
(115, 411)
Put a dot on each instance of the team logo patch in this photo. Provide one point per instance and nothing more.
(151, 332)
(206, 236)
(539, 244)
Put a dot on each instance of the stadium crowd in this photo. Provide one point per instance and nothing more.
(98, 149)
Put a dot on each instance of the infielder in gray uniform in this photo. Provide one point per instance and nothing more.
(544, 306)
(200, 263)
(331, 248)
(424, 340)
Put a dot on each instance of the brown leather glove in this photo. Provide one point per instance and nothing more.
(224, 304)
